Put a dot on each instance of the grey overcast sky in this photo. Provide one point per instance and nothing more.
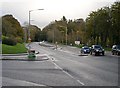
(53, 9)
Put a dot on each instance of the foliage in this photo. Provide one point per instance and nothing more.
(35, 33)
(102, 26)
(11, 27)
(9, 41)
(19, 40)
(19, 48)
(56, 31)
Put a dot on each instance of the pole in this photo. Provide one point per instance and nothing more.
(30, 24)
(29, 39)
(29, 28)
(66, 35)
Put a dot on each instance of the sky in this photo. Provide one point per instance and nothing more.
(53, 9)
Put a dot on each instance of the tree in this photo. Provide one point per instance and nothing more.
(115, 21)
(35, 33)
(103, 25)
(58, 30)
(11, 27)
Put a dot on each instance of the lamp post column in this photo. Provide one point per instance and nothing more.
(29, 39)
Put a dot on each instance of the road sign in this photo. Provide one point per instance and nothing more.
(29, 39)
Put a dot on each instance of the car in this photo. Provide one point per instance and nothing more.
(97, 50)
(116, 50)
(85, 50)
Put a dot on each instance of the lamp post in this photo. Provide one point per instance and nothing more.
(29, 39)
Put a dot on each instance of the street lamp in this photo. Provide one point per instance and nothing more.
(29, 39)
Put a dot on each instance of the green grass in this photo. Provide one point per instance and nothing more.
(108, 49)
(79, 46)
(19, 48)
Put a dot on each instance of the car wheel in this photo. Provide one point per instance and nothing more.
(112, 53)
(118, 53)
(95, 54)
(81, 53)
(90, 53)
(103, 53)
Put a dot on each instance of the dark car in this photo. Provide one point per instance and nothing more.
(116, 50)
(97, 50)
(85, 50)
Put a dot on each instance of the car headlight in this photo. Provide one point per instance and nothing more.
(97, 50)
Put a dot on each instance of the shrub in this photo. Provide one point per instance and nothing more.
(9, 41)
(19, 40)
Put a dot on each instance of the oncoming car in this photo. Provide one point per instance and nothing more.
(116, 50)
(97, 50)
(85, 50)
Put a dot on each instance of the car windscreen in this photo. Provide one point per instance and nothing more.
(86, 48)
(97, 47)
(118, 46)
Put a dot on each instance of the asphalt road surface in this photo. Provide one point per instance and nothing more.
(64, 67)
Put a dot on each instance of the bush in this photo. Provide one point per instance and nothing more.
(19, 40)
(9, 41)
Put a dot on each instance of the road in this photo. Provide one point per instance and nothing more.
(64, 67)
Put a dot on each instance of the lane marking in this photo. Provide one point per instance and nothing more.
(80, 82)
(19, 82)
(68, 74)
(58, 67)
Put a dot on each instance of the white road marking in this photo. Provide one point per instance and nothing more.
(68, 74)
(80, 82)
(58, 67)
(18, 82)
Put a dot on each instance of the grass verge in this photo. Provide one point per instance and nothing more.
(108, 49)
(19, 48)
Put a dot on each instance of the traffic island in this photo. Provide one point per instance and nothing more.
(12, 58)
(31, 55)
(83, 55)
